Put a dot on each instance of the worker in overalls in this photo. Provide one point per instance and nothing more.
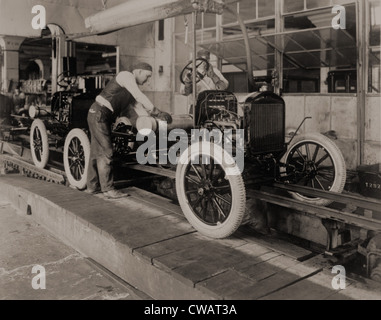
(120, 94)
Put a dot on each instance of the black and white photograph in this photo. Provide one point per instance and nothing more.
(190, 157)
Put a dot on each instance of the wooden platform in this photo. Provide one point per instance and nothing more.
(145, 240)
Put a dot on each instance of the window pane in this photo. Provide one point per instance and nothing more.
(296, 81)
(266, 8)
(311, 4)
(247, 9)
(374, 71)
(209, 20)
(230, 14)
(180, 23)
(374, 51)
(375, 22)
(293, 5)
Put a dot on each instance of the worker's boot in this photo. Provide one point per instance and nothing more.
(115, 194)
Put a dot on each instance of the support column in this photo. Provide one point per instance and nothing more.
(58, 52)
(10, 65)
(362, 75)
(278, 75)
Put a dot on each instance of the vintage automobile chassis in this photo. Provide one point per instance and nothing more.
(213, 201)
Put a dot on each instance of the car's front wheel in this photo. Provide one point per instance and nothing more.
(315, 161)
(211, 193)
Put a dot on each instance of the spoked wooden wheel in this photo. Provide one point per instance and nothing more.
(315, 161)
(211, 193)
(76, 158)
(39, 144)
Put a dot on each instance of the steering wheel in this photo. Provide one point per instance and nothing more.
(63, 79)
(187, 72)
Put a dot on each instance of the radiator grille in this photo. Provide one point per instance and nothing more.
(267, 127)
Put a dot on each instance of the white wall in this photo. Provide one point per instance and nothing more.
(329, 113)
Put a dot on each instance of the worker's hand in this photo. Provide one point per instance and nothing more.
(155, 112)
(188, 78)
(165, 116)
(210, 72)
(160, 115)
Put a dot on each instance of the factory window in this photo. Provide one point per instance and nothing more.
(311, 48)
(259, 19)
(161, 30)
(374, 10)
(266, 8)
(290, 6)
(293, 5)
(249, 10)
(1, 68)
(228, 44)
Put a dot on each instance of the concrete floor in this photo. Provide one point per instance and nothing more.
(68, 274)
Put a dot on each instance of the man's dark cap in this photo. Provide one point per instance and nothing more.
(142, 66)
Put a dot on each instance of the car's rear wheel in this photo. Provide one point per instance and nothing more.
(76, 158)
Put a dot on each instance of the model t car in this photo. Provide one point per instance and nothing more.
(212, 194)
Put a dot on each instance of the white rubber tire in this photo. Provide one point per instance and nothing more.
(38, 131)
(237, 186)
(79, 143)
(338, 162)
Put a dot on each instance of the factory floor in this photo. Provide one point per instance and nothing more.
(146, 243)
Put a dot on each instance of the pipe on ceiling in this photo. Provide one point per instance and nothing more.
(135, 12)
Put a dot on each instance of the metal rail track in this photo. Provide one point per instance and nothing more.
(346, 198)
(355, 211)
(49, 174)
(365, 221)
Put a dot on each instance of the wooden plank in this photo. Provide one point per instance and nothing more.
(253, 261)
(273, 243)
(169, 246)
(18, 180)
(115, 217)
(253, 249)
(232, 241)
(136, 205)
(207, 265)
(60, 197)
(316, 287)
(266, 268)
(145, 232)
(217, 253)
(156, 200)
(224, 284)
(274, 283)
(33, 185)
(235, 285)
(193, 267)
(319, 287)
